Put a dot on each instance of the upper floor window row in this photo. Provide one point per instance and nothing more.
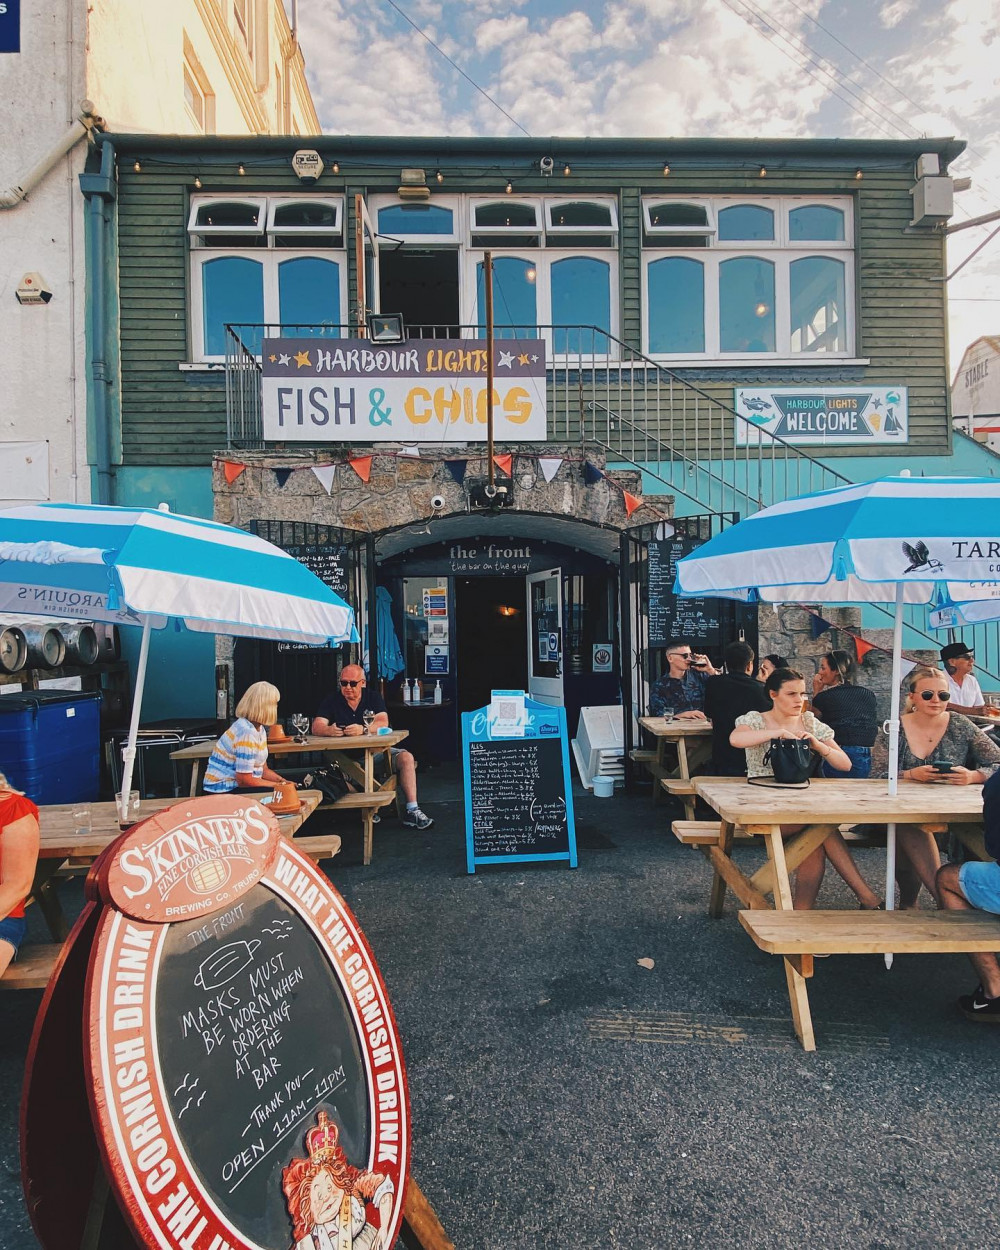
(266, 221)
(504, 222)
(726, 222)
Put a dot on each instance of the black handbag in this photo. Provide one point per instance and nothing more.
(791, 761)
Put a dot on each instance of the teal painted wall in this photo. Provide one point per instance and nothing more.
(180, 674)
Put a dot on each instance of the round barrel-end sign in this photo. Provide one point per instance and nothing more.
(246, 1074)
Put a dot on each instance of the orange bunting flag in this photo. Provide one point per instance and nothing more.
(232, 470)
(504, 463)
(631, 502)
(862, 647)
(362, 466)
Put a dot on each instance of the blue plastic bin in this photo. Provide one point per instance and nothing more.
(50, 744)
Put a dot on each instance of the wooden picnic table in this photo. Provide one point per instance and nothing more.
(74, 834)
(693, 740)
(821, 808)
(373, 794)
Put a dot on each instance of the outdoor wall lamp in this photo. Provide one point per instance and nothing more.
(386, 328)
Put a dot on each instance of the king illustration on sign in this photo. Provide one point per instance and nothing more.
(832, 415)
(346, 390)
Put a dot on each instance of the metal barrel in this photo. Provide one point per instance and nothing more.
(109, 641)
(81, 642)
(46, 645)
(13, 649)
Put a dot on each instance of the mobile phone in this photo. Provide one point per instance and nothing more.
(942, 766)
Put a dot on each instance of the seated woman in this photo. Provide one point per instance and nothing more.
(238, 764)
(18, 857)
(786, 719)
(768, 665)
(930, 735)
(851, 711)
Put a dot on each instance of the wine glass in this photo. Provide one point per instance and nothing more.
(368, 716)
(300, 724)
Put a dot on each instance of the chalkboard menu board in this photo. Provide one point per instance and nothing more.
(246, 1074)
(330, 564)
(697, 621)
(518, 794)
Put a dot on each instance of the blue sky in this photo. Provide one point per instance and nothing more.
(846, 68)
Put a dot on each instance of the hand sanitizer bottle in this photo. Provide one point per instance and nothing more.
(438, 693)
(406, 690)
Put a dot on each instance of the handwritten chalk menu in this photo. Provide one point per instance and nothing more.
(698, 621)
(247, 1079)
(518, 793)
(330, 564)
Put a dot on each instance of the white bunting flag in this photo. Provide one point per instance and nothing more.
(324, 473)
(549, 466)
(409, 449)
(906, 667)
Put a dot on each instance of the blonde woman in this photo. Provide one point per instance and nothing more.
(787, 718)
(18, 857)
(935, 746)
(239, 761)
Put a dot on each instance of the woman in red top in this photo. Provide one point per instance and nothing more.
(18, 857)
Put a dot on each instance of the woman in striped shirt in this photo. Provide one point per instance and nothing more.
(239, 761)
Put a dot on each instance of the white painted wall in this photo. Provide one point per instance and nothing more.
(975, 392)
(127, 56)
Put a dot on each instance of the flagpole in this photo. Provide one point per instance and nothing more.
(488, 285)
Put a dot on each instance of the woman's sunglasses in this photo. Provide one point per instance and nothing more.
(350, 683)
(927, 695)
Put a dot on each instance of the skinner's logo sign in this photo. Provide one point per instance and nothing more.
(193, 857)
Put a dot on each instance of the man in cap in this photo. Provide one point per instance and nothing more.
(966, 695)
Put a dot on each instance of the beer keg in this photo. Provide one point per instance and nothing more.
(13, 649)
(81, 642)
(46, 645)
(109, 641)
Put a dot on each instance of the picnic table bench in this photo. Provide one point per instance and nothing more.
(797, 936)
(693, 740)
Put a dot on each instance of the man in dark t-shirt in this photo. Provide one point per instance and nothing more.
(341, 715)
(730, 695)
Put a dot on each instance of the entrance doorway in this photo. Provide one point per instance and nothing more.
(422, 284)
(490, 638)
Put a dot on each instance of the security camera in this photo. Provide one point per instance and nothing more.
(437, 502)
(546, 164)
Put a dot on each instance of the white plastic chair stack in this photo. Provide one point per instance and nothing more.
(599, 745)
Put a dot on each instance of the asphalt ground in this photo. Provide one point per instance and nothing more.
(565, 1096)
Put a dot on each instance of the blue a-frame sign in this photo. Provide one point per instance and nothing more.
(518, 791)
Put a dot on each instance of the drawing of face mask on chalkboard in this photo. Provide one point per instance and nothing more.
(225, 963)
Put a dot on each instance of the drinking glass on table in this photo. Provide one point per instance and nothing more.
(668, 714)
(300, 724)
(368, 716)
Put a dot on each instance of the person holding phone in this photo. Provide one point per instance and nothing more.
(938, 747)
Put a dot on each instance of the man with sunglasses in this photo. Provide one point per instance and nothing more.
(966, 693)
(342, 715)
(682, 686)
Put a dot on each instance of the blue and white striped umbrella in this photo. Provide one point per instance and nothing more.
(148, 567)
(974, 604)
(894, 539)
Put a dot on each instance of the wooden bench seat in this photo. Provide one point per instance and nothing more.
(678, 786)
(791, 933)
(697, 832)
(32, 967)
(322, 846)
(355, 802)
(642, 755)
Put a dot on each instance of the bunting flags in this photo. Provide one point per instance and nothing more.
(282, 475)
(362, 466)
(591, 474)
(862, 647)
(817, 626)
(504, 463)
(325, 474)
(457, 470)
(631, 502)
(549, 466)
(232, 470)
(409, 449)
(906, 667)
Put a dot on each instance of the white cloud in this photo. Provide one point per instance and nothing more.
(500, 30)
(896, 11)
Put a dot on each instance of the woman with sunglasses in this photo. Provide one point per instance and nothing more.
(935, 746)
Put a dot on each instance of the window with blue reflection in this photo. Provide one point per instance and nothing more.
(746, 221)
(232, 291)
(746, 305)
(581, 298)
(815, 222)
(416, 219)
(309, 297)
(817, 290)
(514, 301)
(676, 296)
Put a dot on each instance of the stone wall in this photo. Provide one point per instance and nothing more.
(786, 630)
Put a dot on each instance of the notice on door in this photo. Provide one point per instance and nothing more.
(343, 390)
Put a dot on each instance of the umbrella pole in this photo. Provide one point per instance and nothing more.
(892, 728)
(133, 729)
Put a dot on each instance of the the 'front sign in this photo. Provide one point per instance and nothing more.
(424, 390)
(822, 415)
(245, 1071)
